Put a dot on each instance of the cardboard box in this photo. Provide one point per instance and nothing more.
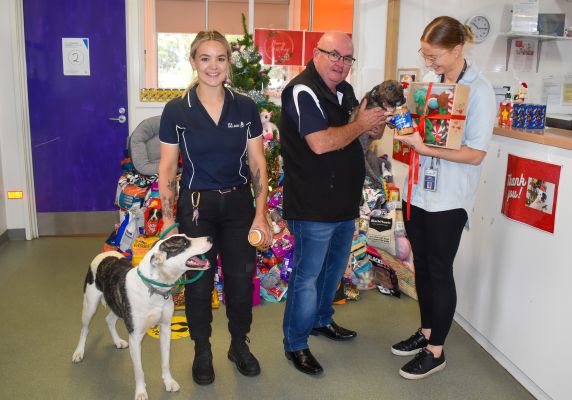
(445, 112)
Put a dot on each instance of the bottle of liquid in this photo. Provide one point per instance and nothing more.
(402, 121)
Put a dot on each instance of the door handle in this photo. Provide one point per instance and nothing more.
(121, 119)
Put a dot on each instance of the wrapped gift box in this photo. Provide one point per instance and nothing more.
(528, 116)
(443, 107)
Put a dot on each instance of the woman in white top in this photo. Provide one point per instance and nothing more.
(440, 212)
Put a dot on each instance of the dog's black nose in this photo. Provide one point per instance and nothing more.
(209, 239)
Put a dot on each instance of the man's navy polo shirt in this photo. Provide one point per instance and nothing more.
(214, 156)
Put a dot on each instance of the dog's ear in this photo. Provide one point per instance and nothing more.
(158, 258)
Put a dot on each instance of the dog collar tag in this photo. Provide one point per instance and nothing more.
(153, 291)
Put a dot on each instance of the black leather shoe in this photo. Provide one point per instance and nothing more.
(240, 354)
(305, 362)
(334, 331)
(203, 371)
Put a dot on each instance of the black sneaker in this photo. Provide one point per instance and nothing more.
(240, 354)
(410, 346)
(423, 365)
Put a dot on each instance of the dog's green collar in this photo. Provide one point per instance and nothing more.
(178, 284)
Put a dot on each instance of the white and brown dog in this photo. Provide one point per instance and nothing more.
(139, 296)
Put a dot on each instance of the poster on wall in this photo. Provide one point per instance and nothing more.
(75, 56)
(531, 191)
(311, 42)
(279, 47)
(523, 55)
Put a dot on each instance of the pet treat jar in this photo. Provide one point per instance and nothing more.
(402, 121)
(256, 238)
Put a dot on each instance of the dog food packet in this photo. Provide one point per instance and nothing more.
(385, 277)
(381, 231)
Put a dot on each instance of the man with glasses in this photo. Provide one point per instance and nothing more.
(324, 174)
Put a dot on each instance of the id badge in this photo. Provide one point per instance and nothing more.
(430, 180)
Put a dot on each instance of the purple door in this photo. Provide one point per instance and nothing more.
(76, 147)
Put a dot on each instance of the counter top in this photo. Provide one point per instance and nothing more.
(549, 136)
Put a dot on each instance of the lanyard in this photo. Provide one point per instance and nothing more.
(460, 75)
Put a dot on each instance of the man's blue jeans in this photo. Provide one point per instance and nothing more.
(321, 254)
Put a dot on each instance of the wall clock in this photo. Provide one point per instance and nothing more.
(480, 26)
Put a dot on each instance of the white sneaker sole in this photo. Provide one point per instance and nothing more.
(407, 375)
(405, 353)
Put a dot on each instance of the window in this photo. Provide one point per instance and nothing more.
(171, 25)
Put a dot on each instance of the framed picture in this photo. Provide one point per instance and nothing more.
(408, 75)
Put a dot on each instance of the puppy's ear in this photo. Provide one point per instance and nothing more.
(158, 258)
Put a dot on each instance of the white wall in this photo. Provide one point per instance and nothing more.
(12, 176)
(369, 33)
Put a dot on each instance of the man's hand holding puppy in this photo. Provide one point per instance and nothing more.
(377, 132)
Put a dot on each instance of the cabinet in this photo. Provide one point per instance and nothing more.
(520, 35)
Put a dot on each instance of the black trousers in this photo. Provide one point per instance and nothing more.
(435, 238)
(227, 218)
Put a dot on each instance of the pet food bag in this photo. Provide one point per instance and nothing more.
(384, 277)
(381, 231)
(405, 276)
(140, 247)
(129, 194)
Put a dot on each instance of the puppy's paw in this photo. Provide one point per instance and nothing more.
(77, 356)
(171, 385)
(141, 395)
(121, 344)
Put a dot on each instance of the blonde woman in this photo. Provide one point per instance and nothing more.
(218, 134)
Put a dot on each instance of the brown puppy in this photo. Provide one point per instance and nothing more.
(387, 95)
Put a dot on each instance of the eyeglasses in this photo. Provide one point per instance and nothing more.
(431, 59)
(334, 56)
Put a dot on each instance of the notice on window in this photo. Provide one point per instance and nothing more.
(75, 54)
(531, 191)
(279, 47)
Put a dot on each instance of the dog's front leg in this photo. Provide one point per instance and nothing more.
(165, 338)
(135, 350)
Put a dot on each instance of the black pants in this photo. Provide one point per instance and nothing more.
(227, 218)
(435, 238)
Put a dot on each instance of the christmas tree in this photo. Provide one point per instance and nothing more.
(250, 78)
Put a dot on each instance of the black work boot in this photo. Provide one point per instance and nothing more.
(240, 354)
(203, 372)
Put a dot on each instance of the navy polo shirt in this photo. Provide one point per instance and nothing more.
(304, 110)
(214, 156)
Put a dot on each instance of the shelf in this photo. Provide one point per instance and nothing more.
(541, 38)
(532, 35)
(548, 136)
